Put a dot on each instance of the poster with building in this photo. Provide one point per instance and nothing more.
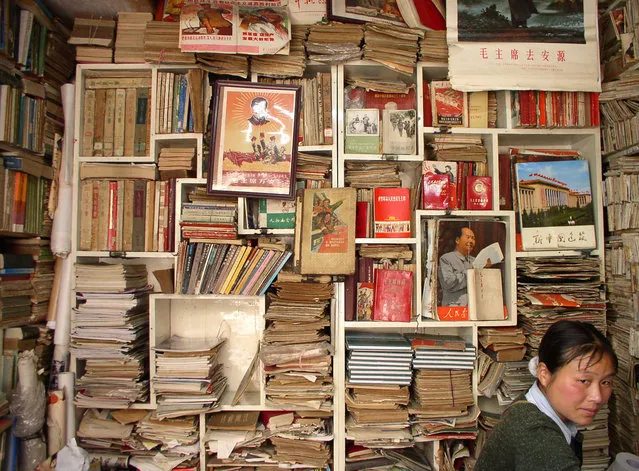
(524, 44)
(555, 205)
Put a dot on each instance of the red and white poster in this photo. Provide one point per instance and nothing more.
(522, 45)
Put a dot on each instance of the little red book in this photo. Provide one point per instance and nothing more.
(392, 212)
(361, 219)
(393, 295)
(479, 191)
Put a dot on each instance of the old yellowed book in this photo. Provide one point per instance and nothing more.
(109, 121)
(119, 123)
(328, 231)
(88, 120)
(86, 209)
(129, 121)
(478, 109)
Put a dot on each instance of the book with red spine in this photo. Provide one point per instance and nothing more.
(392, 212)
(361, 219)
(479, 191)
(113, 216)
(393, 295)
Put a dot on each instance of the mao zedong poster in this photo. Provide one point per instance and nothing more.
(254, 139)
(523, 44)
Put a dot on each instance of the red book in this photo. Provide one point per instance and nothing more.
(594, 109)
(428, 106)
(542, 109)
(436, 191)
(393, 295)
(479, 191)
(505, 180)
(361, 219)
(392, 212)
(379, 100)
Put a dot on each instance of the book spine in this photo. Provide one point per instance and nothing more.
(127, 218)
(113, 216)
(149, 213)
(104, 214)
(118, 82)
(100, 114)
(119, 122)
(88, 123)
(139, 197)
(130, 106)
(109, 122)
(86, 213)
(95, 214)
(139, 145)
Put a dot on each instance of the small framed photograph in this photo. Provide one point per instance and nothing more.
(360, 11)
(254, 136)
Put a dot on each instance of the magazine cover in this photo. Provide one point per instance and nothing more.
(464, 244)
(555, 205)
(398, 133)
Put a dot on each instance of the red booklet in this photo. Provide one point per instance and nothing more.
(361, 219)
(479, 191)
(436, 193)
(393, 295)
(392, 212)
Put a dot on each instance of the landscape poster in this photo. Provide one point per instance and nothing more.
(523, 44)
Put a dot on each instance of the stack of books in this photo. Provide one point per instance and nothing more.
(93, 39)
(313, 170)
(334, 42)
(433, 46)
(161, 44)
(392, 46)
(372, 174)
(188, 377)
(176, 162)
(128, 47)
(235, 65)
(378, 359)
(16, 288)
(291, 65)
(109, 331)
(516, 380)
(503, 343)
(298, 313)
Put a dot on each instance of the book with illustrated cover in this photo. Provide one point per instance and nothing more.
(392, 212)
(365, 293)
(398, 133)
(554, 202)
(328, 231)
(362, 131)
(436, 194)
(276, 214)
(449, 105)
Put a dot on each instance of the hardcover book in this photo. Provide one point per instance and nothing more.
(449, 105)
(362, 219)
(365, 293)
(276, 214)
(398, 134)
(437, 195)
(479, 193)
(328, 231)
(393, 295)
(362, 131)
(392, 212)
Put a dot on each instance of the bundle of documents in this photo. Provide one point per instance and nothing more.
(503, 343)
(316, 168)
(457, 147)
(170, 433)
(99, 430)
(161, 44)
(223, 64)
(334, 42)
(394, 47)
(372, 174)
(278, 65)
(298, 312)
(188, 378)
(433, 46)
(109, 330)
(128, 47)
(516, 380)
(554, 288)
(596, 442)
(179, 162)
(378, 358)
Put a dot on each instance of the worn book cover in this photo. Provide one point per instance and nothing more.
(479, 193)
(328, 231)
(398, 132)
(485, 295)
(432, 171)
(392, 212)
(276, 214)
(365, 293)
(478, 109)
(393, 295)
(449, 106)
(362, 131)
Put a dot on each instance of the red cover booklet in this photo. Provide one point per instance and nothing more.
(436, 193)
(392, 212)
(393, 295)
(479, 192)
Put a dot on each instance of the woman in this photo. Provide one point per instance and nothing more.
(574, 372)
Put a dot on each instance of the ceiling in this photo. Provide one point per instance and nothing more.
(66, 10)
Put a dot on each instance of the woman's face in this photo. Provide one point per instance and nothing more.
(577, 391)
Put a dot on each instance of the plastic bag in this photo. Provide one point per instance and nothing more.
(33, 451)
(28, 401)
(72, 458)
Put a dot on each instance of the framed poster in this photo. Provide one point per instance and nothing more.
(360, 11)
(523, 45)
(254, 137)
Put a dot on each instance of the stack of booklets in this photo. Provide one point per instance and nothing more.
(277, 65)
(554, 288)
(59, 61)
(516, 380)
(109, 331)
(377, 415)
(378, 359)
(16, 288)
(313, 170)
(442, 353)
(188, 377)
(107, 431)
(208, 218)
(131, 26)
(372, 174)
(235, 65)
(161, 44)
(503, 343)
(172, 435)
(458, 147)
(392, 46)
(433, 46)
(299, 312)
(93, 39)
(596, 441)
(334, 42)
(489, 374)
(176, 162)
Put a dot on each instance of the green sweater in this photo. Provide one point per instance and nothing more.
(526, 440)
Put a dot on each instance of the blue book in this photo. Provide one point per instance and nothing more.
(16, 271)
(181, 115)
(285, 257)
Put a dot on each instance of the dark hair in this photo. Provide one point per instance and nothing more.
(566, 340)
(258, 99)
(459, 230)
